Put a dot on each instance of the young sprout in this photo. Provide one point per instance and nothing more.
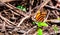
(40, 31)
(55, 28)
(40, 24)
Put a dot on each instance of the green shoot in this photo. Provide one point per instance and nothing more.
(40, 31)
(40, 24)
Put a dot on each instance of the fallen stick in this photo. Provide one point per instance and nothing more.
(6, 20)
(17, 10)
(8, 0)
(21, 23)
(44, 3)
(22, 20)
(29, 30)
(55, 32)
(14, 8)
(47, 16)
(3, 27)
(54, 21)
(8, 26)
(52, 7)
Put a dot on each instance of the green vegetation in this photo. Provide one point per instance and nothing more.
(21, 8)
(40, 24)
(40, 31)
(55, 28)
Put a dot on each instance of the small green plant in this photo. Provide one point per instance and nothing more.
(55, 28)
(40, 24)
(21, 8)
(40, 31)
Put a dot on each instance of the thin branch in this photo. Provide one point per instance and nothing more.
(23, 20)
(54, 21)
(55, 14)
(42, 5)
(29, 30)
(7, 20)
(47, 16)
(3, 27)
(17, 10)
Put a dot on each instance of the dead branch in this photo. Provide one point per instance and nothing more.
(7, 20)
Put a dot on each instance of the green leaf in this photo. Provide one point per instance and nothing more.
(42, 24)
(39, 24)
(24, 9)
(55, 28)
(33, 23)
(18, 6)
(21, 8)
(40, 32)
